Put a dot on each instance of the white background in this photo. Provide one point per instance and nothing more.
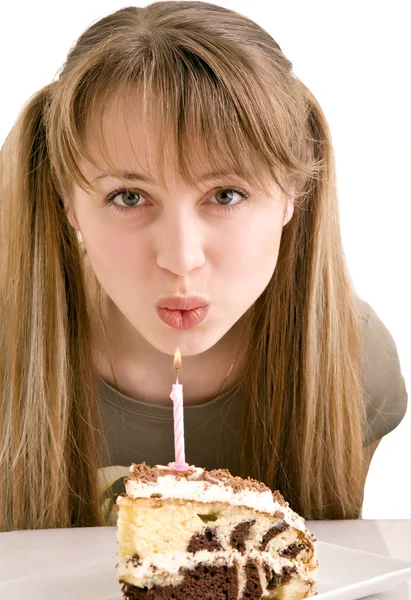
(353, 57)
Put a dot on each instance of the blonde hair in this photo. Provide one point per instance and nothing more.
(218, 77)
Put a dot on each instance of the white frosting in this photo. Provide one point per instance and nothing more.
(212, 490)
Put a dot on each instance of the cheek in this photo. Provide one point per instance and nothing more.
(251, 254)
(113, 251)
(123, 257)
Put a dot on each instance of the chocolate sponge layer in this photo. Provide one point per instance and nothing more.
(202, 583)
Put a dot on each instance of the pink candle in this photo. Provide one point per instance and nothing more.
(177, 398)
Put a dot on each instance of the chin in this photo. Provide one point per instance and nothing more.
(190, 341)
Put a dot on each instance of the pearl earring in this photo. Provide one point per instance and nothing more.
(79, 237)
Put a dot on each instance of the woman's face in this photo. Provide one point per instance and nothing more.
(153, 242)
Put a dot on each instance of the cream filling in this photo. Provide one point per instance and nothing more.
(164, 569)
(169, 486)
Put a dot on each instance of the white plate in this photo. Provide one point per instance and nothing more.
(348, 574)
(344, 574)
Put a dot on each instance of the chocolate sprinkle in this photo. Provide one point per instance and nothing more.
(135, 560)
(146, 474)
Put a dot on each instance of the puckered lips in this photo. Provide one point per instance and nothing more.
(182, 312)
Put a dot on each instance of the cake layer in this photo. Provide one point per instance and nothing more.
(220, 582)
(247, 571)
(151, 526)
(164, 542)
(207, 486)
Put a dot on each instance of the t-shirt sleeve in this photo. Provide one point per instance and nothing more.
(384, 386)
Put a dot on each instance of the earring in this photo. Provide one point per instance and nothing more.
(79, 237)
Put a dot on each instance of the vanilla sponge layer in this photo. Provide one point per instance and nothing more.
(161, 538)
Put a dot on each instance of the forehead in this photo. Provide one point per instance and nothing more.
(123, 137)
(127, 134)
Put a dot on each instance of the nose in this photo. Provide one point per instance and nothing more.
(180, 245)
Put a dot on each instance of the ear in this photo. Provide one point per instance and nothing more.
(289, 211)
(68, 209)
(72, 220)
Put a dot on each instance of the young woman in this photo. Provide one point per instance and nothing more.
(175, 186)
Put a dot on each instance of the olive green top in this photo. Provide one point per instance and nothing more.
(135, 431)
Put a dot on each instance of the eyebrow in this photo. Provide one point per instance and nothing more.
(142, 177)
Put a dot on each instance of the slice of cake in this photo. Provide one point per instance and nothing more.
(209, 535)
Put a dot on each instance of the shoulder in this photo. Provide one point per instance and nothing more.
(383, 383)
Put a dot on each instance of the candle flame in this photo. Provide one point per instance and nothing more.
(177, 360)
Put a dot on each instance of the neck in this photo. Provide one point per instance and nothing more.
(129, 363)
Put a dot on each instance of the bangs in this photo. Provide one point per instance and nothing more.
(212, 111)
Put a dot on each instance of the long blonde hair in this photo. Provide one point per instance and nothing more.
(220, 78)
